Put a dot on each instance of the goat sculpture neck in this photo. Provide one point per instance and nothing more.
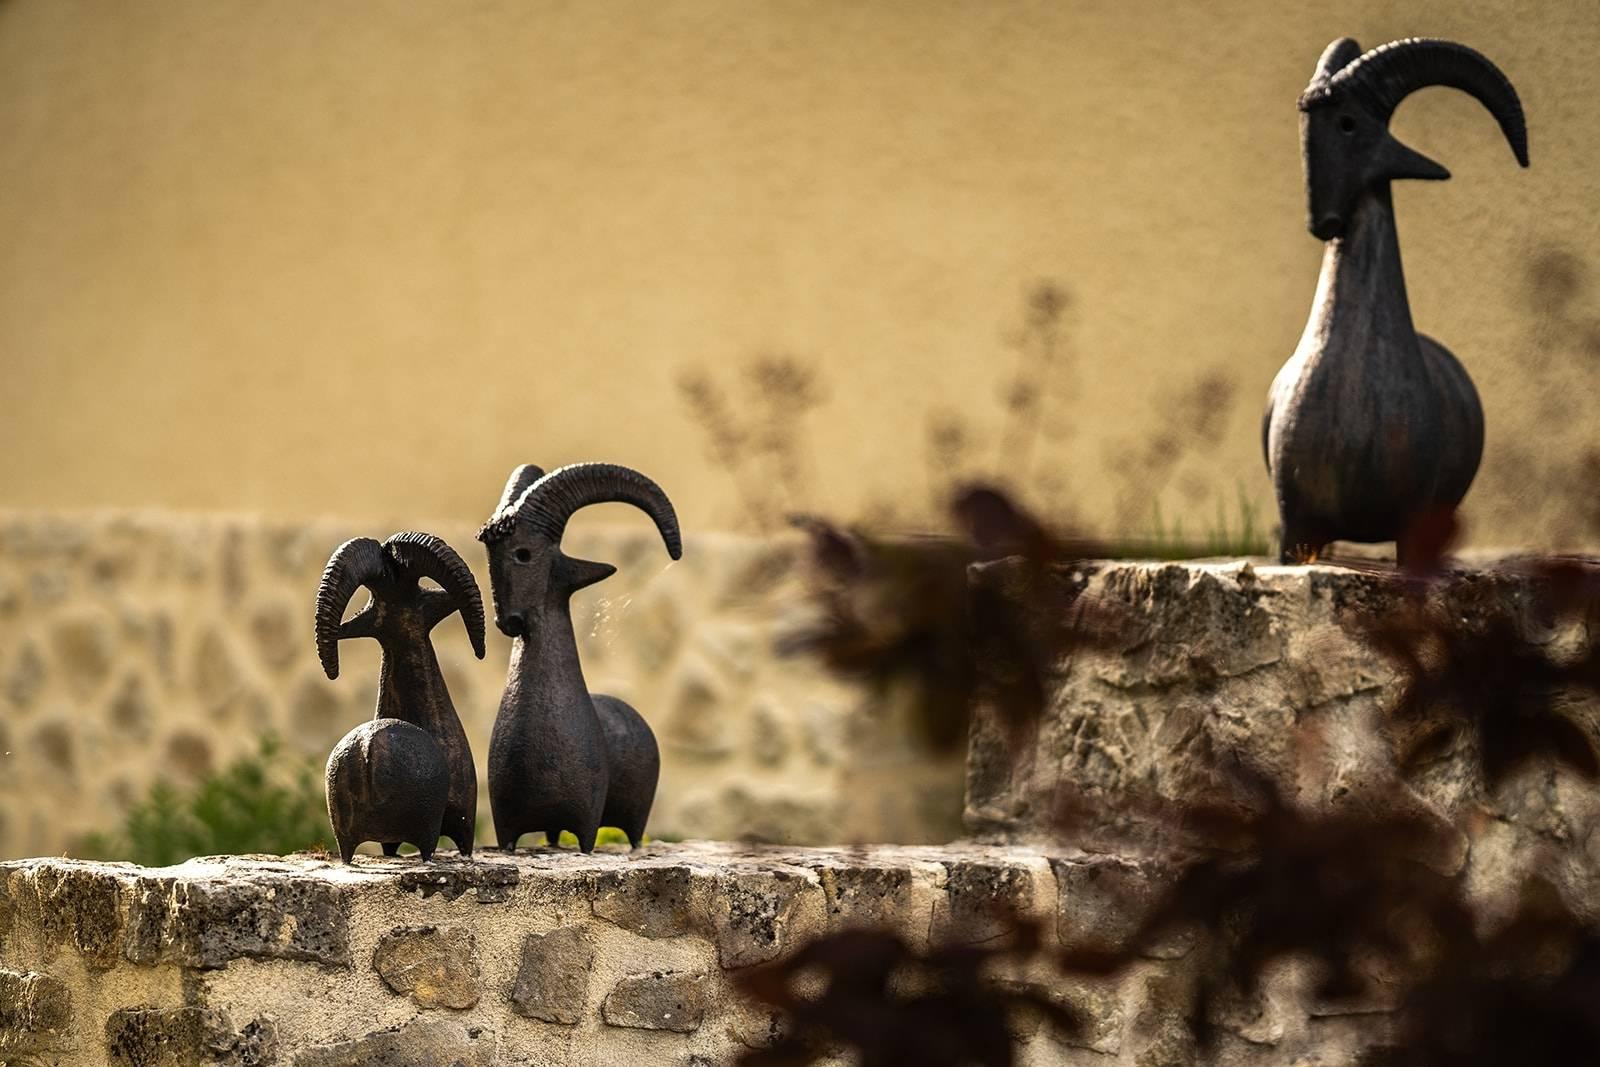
(560, 757)
(1361, 300)
(1372, 429)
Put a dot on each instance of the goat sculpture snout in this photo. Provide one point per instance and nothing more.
(561, 758)
(1371, 426)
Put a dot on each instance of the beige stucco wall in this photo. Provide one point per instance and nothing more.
(309, 258)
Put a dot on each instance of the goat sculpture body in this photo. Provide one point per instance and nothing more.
(1371, 426)
(387, 777)
(561, 758)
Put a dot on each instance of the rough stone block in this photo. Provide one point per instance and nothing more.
(35, 1012)
(552, 981)
(660, 1000)
(490, 883)
(423, 1042)
(187, 1037)
(77, 907)
(1101, 901)
(652, 901)
(437, 967)
(983, 901)
(207, 922)
(751, 911)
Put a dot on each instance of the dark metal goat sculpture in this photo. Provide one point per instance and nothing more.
(1371, 427)
(408, 774)
(560, 757)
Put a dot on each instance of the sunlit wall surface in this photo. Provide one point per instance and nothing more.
(305, 258)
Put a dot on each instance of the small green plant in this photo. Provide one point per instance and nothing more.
(265, 802)
(1238, 534)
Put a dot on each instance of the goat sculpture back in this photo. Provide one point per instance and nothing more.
(407, 775)
(1370, 426)
(561, 758)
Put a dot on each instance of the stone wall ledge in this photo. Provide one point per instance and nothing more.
(543, 957)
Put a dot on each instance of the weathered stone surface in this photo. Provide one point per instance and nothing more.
(653, 900)
(207, 922)
(1098, 1004)
(660, 1000)
(437, 967)
(25, 676)
(424, 1042)
(1101, 900)
(84, 647)
(751, 911)
(552, 981)
(451, 877)
(61, 907)
(1262, 668)
(983, 901)
(35, 1013)
(187, 1037)
(869, 893)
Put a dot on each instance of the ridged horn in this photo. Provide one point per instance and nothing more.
(353, 564)
(1389, 73)
(424, 555)
(1335, 57)
(547, 504)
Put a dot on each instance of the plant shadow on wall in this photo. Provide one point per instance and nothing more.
(1542, 483)
(1367, 905)
(757, 432)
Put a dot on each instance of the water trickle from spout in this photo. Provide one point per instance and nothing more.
(610, 613)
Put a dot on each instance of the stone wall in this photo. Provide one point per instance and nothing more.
(1264, 667)
(133, 646)
(545, 959)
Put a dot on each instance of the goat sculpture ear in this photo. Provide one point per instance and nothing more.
(1335, 57)
(520, 479)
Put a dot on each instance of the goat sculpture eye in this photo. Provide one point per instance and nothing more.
(523, 555)
(1347, 124)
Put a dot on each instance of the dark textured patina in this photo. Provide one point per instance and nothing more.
(560, 757)
(1370, 426)
(408, 774)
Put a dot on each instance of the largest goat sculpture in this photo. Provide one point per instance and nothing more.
(561, 758)
(1371, 427)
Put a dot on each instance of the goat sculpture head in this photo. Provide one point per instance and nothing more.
(1345, 111)
(392, 572)
(528, 572)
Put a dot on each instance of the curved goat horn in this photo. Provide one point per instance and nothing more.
(548, 503)
(1338, 55)
(1391, 72)
(425, 555)
(353, 564)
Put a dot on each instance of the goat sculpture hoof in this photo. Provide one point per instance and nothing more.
(387, 782)
(560, 756)
(412, 691)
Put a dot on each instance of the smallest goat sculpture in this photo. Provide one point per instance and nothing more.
(561, 758)
(407, 775)
(1370, 426)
